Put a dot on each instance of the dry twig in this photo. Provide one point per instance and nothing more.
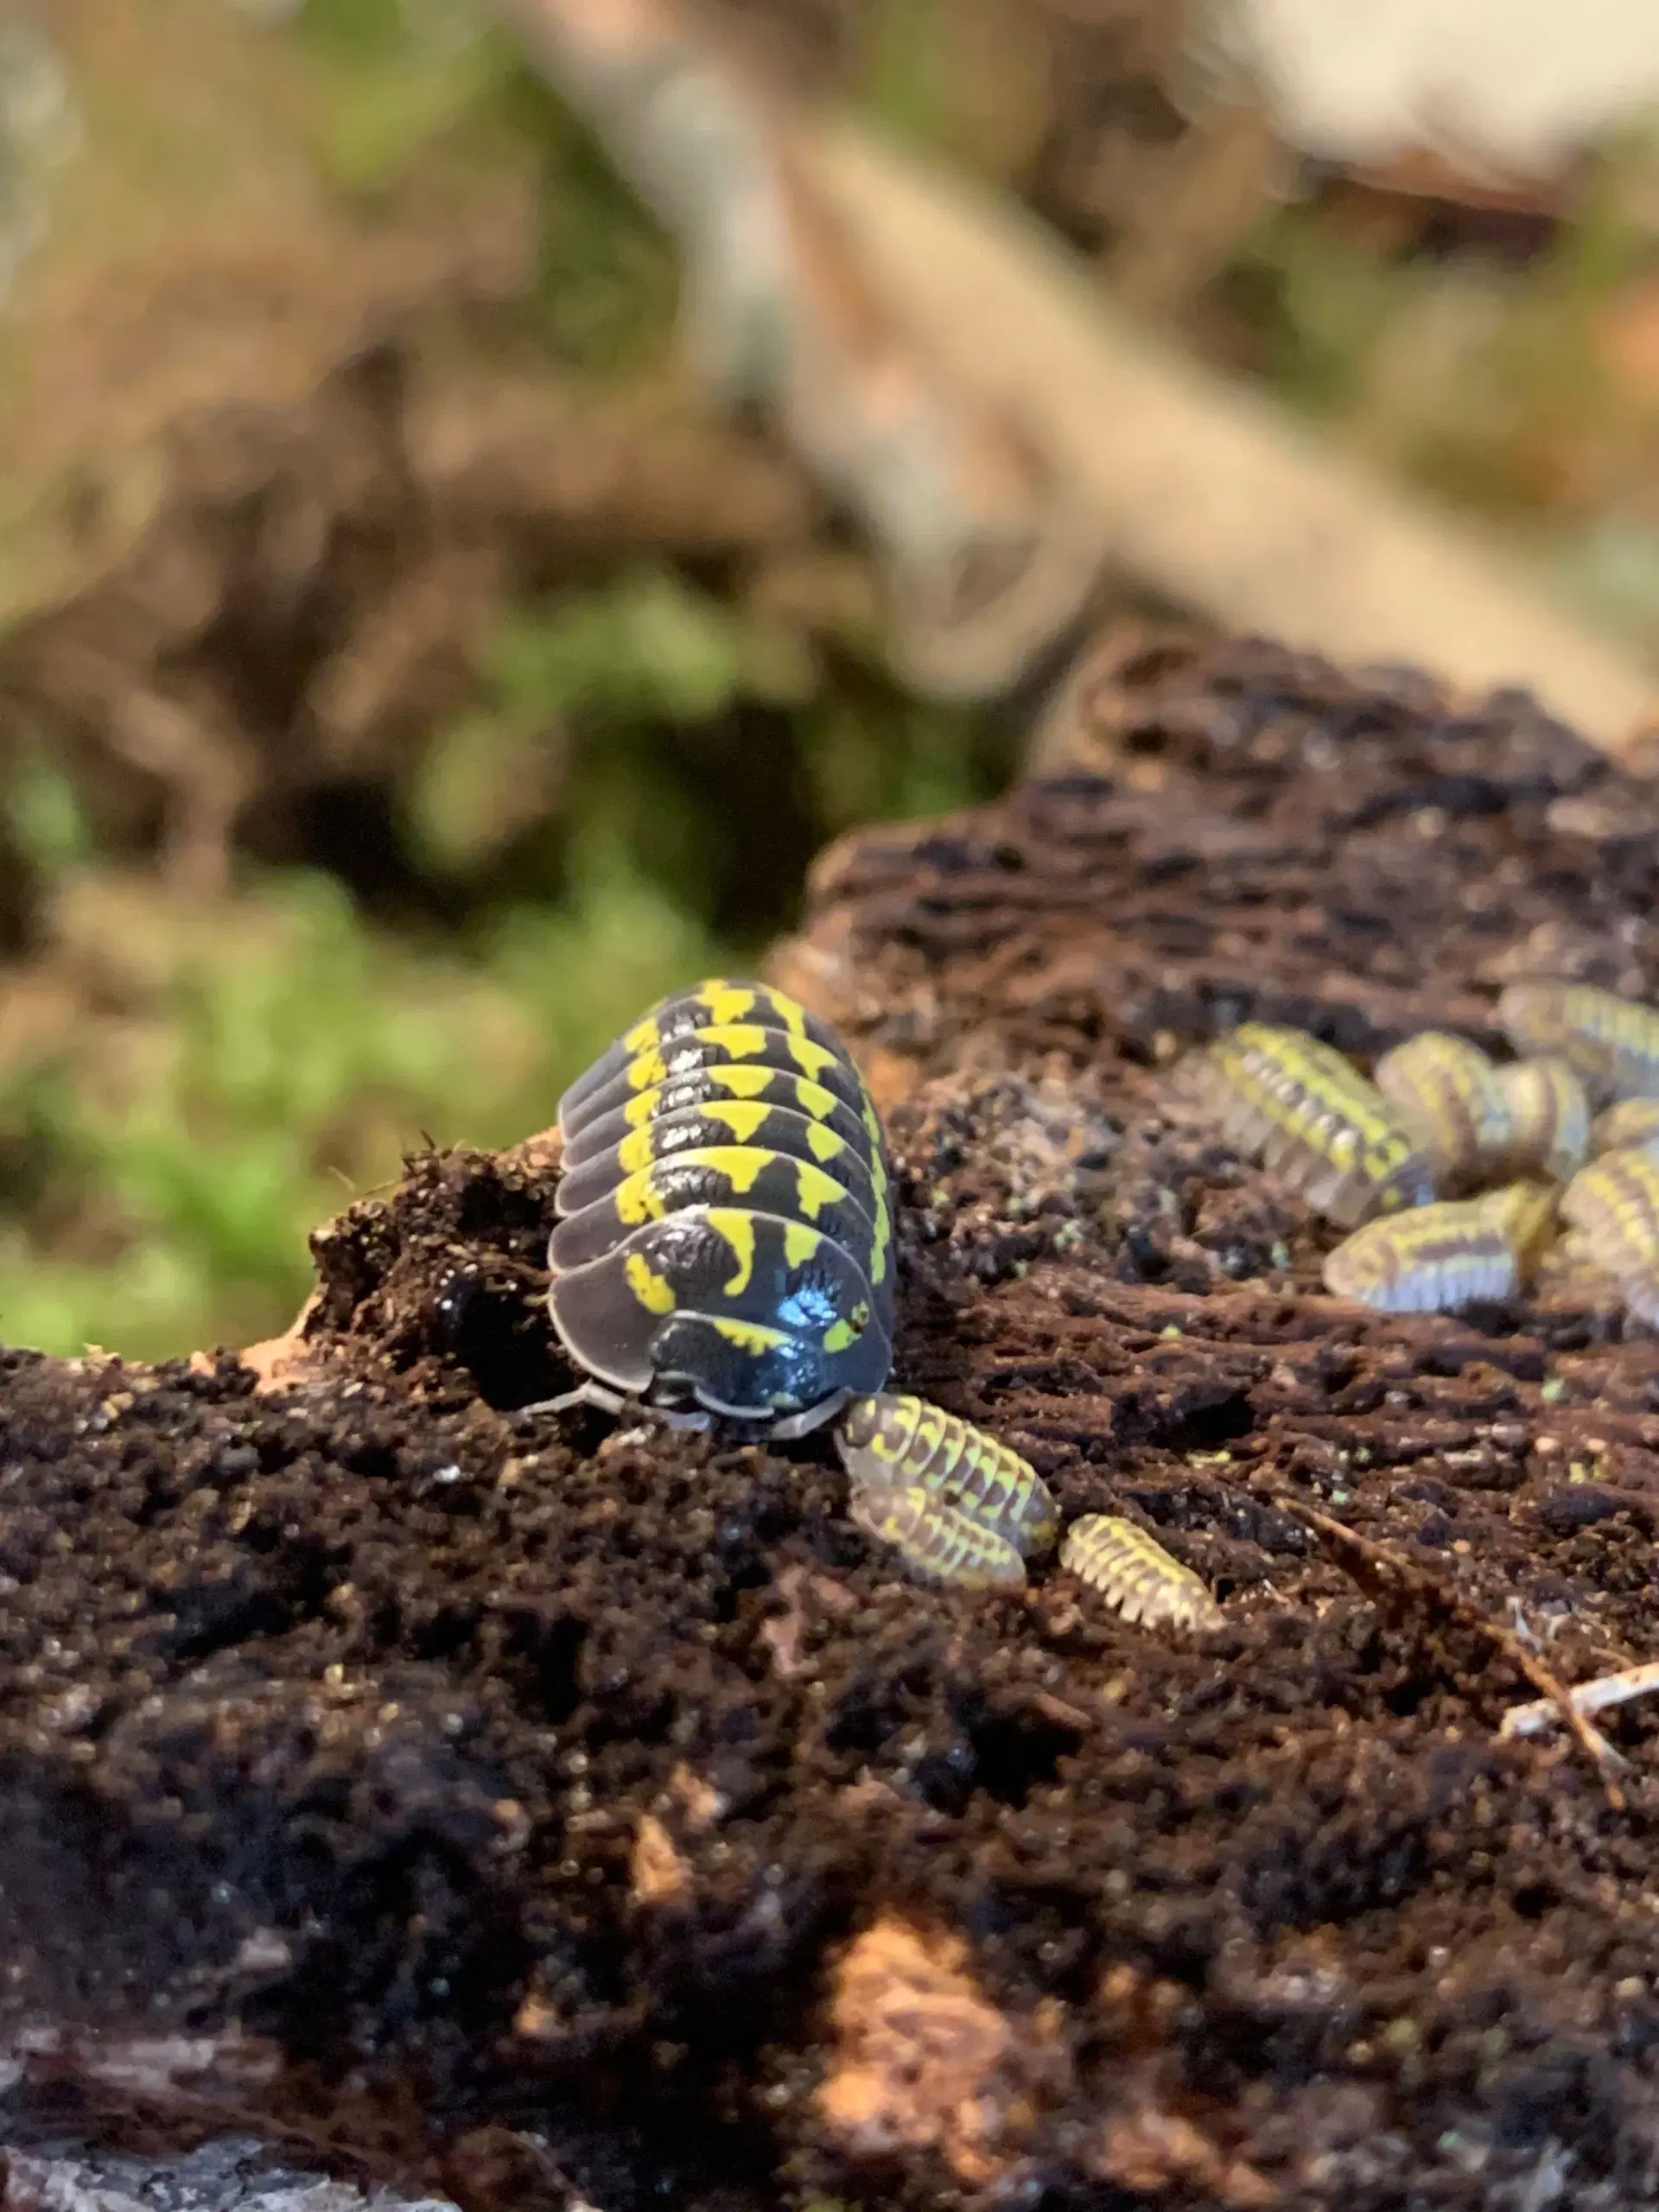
(1389, 1565)
(1586, 1697)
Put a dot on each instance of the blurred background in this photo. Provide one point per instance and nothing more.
(478, 511)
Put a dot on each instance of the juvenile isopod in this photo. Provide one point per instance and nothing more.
(1135, 1575)
(1549, 1118)
(1631, 1126)
(935, 1542)
(891, 1441)
(1613, 1204)
(1448, 1093)
(1310, 1117)
(1613, 1043)
(1435, 1258)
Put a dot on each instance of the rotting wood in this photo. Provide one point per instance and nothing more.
(1385, 1562)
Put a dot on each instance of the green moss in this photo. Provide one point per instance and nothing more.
(283, 1059)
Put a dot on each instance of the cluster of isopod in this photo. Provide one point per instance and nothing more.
(1451, 1170)
(956, 1505)
(960, 1508)
(725, 1252)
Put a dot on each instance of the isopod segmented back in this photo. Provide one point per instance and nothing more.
(1631, 1126)
(1613, 1043)
(1135, 1575)
(1549, 1118)
(1433, 1259)
(893, 1441)
(935, 1542)
(1448, 1093)
(720, 1006)
(1613, 1204)
(725, 1238)
(1300, 1109)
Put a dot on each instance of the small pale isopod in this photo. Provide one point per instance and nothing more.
(1549, 1118)
(1135, 1575)
(1448, 1091)
(1613, 1043)
(1631, 1126)
(894, 1442)
(1435, 1258)
(1614, 1205)
(1297, 1106)
(935, 1542)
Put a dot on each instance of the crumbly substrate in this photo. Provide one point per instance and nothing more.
(366, 1747)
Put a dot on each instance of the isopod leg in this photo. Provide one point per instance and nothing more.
(811, 1417)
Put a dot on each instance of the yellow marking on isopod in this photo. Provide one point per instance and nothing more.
(800, 1243)
(814, 1190)
(644, 1035)
(937, 1541)
(789, 1010)
(727, 1002)
(741, 1081)
(636, 1201)
(1613, 1043)
(927, 1436)
(1614, 1204)
(1448, 1091)
(647, 1070)
(645, 1196)
(1433, 1259)
(749, 1336)
(739, 1040)
(1526, 1213)
(810, 1058)
(1549, 1118)
(842, 1335)
(813, 1099)
(738, 1229)
(883, 1237)
(1294, 1103)
(1631, 1126)
(881, 1426)
(742, 1165)
(1135, 1575)
(741, 1117)
(636, 1151)
(652, 1290)
(824, 1144)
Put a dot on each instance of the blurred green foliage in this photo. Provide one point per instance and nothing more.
(219, 1079)
(278, 1062)
(277, 1055)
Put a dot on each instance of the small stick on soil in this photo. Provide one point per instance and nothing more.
(1554, 1694)
(1586, 1697)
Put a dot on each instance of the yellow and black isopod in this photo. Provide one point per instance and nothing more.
(895, 1442)
(725, 1241)
(1310, 1117)
(1135, 1575)
(1613, 1043)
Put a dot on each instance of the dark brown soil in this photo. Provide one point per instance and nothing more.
(554, 1775)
